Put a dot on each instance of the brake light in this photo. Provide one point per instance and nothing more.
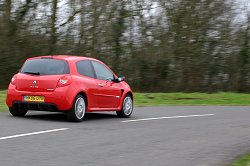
(13, 79)
(64, 81)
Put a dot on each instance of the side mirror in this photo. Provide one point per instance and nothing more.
(120, 79)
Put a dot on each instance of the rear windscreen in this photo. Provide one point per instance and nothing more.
(45, 67)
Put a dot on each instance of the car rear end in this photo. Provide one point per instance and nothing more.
(43, 83)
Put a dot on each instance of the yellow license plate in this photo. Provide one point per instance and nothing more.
(34, 98)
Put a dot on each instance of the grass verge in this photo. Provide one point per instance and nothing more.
(159, 99)
(222, 98)
(243, 161)
(3, 106)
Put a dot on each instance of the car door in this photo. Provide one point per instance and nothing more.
(108, 92)
(88, 82)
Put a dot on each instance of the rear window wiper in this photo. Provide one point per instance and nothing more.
(33, 73)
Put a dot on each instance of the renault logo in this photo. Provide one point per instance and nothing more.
(34, 85)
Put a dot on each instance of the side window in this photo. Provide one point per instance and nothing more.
(85, 68)
(102, 72)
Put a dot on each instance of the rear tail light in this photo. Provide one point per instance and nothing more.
(13, 79)
(64, 81)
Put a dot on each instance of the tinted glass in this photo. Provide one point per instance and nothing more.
(85, 68)
(102, 72)
(45, 67)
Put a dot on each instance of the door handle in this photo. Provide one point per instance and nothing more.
(101, 85)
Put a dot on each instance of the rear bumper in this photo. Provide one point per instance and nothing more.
(60, 99)
(35, 106)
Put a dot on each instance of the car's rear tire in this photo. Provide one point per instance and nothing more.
(127, 107)
(77, 113)
(18, 112)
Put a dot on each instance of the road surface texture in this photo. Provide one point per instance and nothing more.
(156, 136)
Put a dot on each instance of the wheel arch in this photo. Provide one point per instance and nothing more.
(123, 97)
(120, 113)
(129, 93)
(84, 95)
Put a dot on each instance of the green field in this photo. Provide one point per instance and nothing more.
(2, 100)
(243, 161)
(159, 99)
(222, 98)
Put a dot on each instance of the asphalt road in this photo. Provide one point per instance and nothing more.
(172, 136)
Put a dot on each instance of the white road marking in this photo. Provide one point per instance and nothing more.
(168, 117)
(33, 133)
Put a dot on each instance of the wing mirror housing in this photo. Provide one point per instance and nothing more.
(120, 79)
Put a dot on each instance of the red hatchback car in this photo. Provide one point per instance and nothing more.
(70, 84)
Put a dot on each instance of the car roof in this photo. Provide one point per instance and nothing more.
(63, 57)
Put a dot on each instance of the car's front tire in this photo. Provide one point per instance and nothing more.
(127, 107)
(18, 112)
(77, 113)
